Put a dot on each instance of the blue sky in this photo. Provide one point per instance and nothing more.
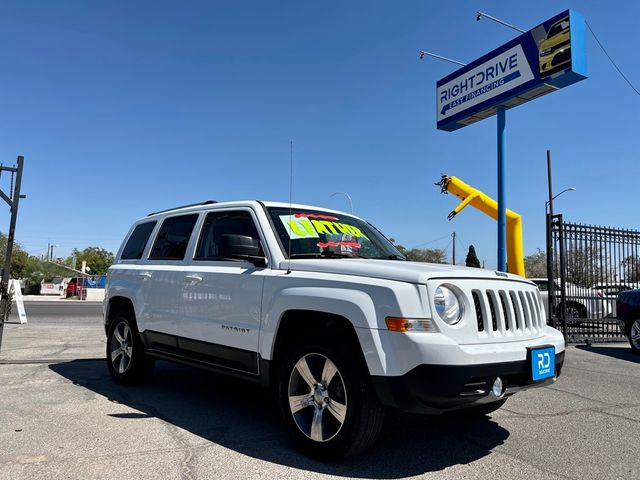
(122, 108)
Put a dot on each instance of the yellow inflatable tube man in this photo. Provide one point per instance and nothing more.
(487, 205)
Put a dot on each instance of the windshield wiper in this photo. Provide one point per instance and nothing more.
(393, 256)
(331, 254)
(327, 254)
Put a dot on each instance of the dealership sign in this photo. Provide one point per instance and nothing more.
(546, 58)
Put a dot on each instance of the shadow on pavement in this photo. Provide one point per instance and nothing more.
(240, 416)
(621, 353)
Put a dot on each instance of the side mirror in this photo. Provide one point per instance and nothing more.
(241, 247)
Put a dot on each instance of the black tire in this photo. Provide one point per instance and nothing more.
(484, 409)
(633, 334)
(349, 415)
(126, 359)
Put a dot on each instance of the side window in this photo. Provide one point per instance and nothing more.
(173, 237)
(218, 230)
(137, 241)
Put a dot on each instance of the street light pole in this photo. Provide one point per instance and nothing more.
(549, 218)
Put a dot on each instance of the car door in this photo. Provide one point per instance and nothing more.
(224, 293)
(163, 281)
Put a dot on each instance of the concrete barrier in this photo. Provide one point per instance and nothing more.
(94, 294)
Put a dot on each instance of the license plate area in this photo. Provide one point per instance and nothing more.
(542, 361)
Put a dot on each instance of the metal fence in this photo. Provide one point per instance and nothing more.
(591, 265)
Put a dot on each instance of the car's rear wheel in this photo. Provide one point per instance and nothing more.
(633, 333)
(126, 359)
(327, 403)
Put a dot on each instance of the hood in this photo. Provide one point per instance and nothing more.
(411, 272)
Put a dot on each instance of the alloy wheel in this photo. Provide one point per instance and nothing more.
(121, 347)
(317, 397)
(635, 334)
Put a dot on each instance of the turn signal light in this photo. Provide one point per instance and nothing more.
(398, 324)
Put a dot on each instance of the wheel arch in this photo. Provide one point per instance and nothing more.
(297, 326)
(118, 304)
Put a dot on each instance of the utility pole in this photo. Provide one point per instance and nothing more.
(13, 199)
(453, 235)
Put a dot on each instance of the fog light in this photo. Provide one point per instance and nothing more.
(498, 388)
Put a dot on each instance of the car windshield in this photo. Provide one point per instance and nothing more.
(558, 28)
(318, 234)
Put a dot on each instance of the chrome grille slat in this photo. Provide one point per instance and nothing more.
(517, 309)
(507, 311)
(492, 310)
(525, 309)
(477, 305)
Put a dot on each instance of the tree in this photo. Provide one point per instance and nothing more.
(19, 257)
(429, 255)
(472, 259)
(98, 259)
(400, 248)
(535, 265)
(587, 265)
(630, 267)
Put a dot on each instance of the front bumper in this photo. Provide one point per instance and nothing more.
(433, 389)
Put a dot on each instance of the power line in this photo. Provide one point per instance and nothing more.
(432, 241)
(611, 59)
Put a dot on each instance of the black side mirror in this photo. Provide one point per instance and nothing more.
(241, 247)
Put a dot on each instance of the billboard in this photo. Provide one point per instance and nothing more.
(546, 58)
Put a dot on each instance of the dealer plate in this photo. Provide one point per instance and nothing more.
(543, 363)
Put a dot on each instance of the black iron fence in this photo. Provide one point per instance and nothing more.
(591, 265)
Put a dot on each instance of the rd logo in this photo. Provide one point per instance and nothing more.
(544, 360)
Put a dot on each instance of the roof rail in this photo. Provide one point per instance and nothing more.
(207, 202)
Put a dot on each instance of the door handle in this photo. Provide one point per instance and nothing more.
(193, 278)
(144, 275)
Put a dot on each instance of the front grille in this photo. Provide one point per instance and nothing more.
(499, 312)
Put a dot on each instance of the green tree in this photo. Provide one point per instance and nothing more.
(400, 248)
(535, 265)
(19, 257)
(98, 259)
(472, 259)
(429, 255)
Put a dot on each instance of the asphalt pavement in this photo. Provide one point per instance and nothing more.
(61, 416)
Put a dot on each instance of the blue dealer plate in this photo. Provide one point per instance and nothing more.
(543, 363)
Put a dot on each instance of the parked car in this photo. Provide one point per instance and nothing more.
(72, 287)
(610, 291)
(582, 302)
(628, 314)
(321, 309)
(53, 286)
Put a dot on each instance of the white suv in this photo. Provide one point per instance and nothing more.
(321, 307)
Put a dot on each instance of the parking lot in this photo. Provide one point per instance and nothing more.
(61, 416)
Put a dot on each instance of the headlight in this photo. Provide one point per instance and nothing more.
(448, 306)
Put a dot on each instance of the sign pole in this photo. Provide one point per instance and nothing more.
(13, 199)
(502, 195)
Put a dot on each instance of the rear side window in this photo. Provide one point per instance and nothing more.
(137, 241)
(219, 225)
(173, 237)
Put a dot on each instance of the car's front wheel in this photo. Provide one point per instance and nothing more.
(327, 403)
(126, 359)
(633, 333)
